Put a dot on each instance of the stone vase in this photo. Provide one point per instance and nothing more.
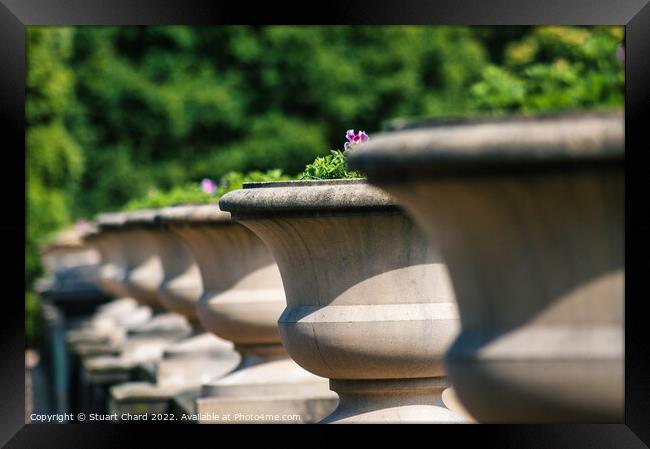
(528, 214)
(242, 300)
(114, 266)
(181, 286)
(369, 302)
(68, 250)
(106, 328)
(146, 272)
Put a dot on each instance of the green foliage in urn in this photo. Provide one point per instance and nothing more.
(334, 165)
(205, 192)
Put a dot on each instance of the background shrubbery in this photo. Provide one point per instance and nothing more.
(117, 113)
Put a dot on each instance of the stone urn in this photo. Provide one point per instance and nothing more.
(241, 302)
(146, 273)
(528, 214)
(68, 250)
(369, 302)
(72, 270)
(181, 287)
(107, 326)
(114, 266)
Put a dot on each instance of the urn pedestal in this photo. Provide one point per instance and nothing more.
(103, 333)
(69, 256)
(369, 302)
(114, 265)
(241, 302)
(68, 295)
(528, 214)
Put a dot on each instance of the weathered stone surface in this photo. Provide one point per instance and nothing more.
(534, 246)
(286, 196)
(368, 298)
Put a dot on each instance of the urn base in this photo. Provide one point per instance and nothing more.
(391, 401)
(276, 409)
(185, 365)
(269, 383)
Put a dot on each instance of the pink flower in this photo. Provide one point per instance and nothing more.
(208, 186)
(354, 138)
(620, 53)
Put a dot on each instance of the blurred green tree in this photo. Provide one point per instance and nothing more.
(54, 159)
(554, 68)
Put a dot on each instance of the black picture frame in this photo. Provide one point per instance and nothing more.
(15, 15)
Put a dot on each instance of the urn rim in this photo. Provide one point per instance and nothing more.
(493, 146)
(308, 197)
(194, 214)
(111, 220)
(143, 218)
